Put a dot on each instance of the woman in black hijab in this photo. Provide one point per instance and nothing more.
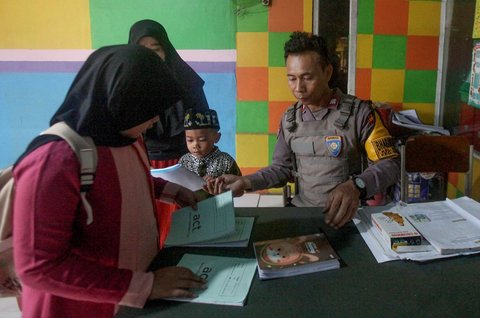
(71, 267)
(166, 140)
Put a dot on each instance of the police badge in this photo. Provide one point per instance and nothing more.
(334, 145)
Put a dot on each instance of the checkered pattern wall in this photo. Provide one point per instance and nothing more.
(262, 92)
(397, 53)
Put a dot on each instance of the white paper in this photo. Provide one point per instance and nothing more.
(410, 120)
(180, 175)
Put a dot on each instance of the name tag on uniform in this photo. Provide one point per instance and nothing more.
(334, 145)
(302, 147)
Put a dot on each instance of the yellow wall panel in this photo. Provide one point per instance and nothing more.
(387, 85)
(307, 15)
(425, 111)
(45, 24)
(424, 18)
(252, 49)
(278, 90)
(252, 150)
(364, 50)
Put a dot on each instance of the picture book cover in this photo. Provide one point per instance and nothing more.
(295, 256)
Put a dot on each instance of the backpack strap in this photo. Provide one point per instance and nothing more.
(86, 153)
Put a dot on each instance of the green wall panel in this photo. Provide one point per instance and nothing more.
(251, 16)
(366, 10)
(420, 86)
(276, 42)
(252, 117)
(183, 20)
(389, 51)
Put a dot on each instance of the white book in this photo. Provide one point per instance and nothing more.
(214, 218)
(228, 278)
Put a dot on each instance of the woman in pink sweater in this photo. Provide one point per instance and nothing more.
(68, 266)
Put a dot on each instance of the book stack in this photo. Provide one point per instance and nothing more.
(295, 256)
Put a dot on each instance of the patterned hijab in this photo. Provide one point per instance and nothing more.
(117, 88)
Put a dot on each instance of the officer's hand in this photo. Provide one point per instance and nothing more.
(342, 204)
(236, 184)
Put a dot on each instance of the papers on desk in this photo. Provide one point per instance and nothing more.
(409, 119)
(450, 228)
(228, 278)
(214, 218)
(179, 175)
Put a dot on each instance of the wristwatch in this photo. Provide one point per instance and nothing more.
(360, 185)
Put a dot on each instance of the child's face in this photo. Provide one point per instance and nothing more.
(200, 142)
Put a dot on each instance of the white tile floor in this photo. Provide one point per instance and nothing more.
(9, 308)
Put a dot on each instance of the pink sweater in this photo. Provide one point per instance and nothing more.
(69, 268)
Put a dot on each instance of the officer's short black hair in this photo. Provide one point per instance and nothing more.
(300, 42)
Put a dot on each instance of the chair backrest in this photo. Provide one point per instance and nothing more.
(428, 153)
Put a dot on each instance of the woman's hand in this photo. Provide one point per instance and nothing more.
(175, 282)
(186, 197)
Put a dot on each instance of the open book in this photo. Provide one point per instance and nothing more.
(447, 226)
(214, 218)
(228, 278)
(295, 256)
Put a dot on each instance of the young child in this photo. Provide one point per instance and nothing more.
(204, 158)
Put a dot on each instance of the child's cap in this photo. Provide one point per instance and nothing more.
(200, 119)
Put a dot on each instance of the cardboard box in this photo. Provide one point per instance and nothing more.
(395, 229)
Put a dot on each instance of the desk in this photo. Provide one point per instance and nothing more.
(360, 288)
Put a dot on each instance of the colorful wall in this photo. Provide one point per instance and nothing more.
(397, 53)
(44, 43)
(397, 61)
(235, 45)
(262, 92)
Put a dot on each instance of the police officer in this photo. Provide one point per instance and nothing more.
(323, 140)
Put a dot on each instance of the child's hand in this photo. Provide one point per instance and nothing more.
(175, 281)
(186, 197)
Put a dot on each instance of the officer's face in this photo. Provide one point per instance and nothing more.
(307, 79)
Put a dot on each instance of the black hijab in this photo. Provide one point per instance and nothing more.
(117, 88)
(185, 75)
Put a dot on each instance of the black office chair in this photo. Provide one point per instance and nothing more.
(440, 154)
